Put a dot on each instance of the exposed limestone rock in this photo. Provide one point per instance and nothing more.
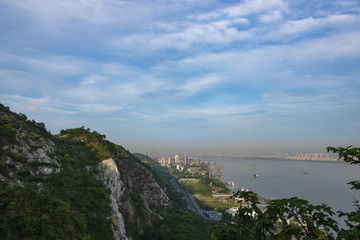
(109, 174)
(31, 156)
(142, 188)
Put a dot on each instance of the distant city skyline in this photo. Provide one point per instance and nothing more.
(321, 156)
(262, 76)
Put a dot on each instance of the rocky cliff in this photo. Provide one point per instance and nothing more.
(134, 192)
(25, 148)
(67, 168)
(109, 174)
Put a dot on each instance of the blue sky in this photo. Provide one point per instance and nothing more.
(187, 76)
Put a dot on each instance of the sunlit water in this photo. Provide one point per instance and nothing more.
(326, 182)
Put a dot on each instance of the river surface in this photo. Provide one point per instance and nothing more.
(318, 182)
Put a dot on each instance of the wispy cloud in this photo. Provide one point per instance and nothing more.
(182, 66)
(271, 17)
(27, 104)
(251, 7)
(293, 28)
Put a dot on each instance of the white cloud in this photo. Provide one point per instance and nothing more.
(47, 104)
(231, 25)
(97, 107)
(89, 11)
(200, 115)
(93, 79)
(270, 17)
(129, 61)
(214, 111)
(254, 6)
(243, 62)
(196, 85)
(117, 119)
(54, 64)
(299, 27)
(27, 104)
(296, 104)
(354, 5)
(217, 32)
(207, 16)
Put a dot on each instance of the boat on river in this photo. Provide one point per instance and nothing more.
(230, 184)
(256, 176)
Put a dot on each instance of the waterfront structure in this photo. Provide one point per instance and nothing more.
(189, 180)
(230, 184)
(226, 198)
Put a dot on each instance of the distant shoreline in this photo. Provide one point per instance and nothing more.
(274, 158)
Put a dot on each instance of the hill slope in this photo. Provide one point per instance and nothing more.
(70, 186)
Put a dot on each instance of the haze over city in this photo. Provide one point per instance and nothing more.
(187, 76)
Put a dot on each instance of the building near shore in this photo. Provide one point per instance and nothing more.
(226, 197)
(188, 180)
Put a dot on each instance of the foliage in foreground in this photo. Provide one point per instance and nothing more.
(282, 219)
(292, 218)
(351, 155)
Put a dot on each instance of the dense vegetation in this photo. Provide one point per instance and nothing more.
(292, 218)
(178, 222)
(70, 204)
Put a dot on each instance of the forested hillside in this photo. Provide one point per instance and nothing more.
(48, 187)
(52, 187)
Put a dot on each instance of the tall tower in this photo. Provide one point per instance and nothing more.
(218, 172)
(185, 159)
(177, 160)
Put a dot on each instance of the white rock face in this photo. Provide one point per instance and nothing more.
(109, 174)
(24, 155)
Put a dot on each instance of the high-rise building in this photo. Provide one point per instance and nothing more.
(196, 161)
(185, 159)
(162, 161)
(177, 159)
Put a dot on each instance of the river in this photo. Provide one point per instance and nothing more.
(318, 182)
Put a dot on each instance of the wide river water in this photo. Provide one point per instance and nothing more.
(324, 182)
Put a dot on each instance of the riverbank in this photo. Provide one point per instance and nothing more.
(286, 179)
(210, 194)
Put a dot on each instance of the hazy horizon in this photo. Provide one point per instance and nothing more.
(258, 76)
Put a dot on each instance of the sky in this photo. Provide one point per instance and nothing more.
(187, 76)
